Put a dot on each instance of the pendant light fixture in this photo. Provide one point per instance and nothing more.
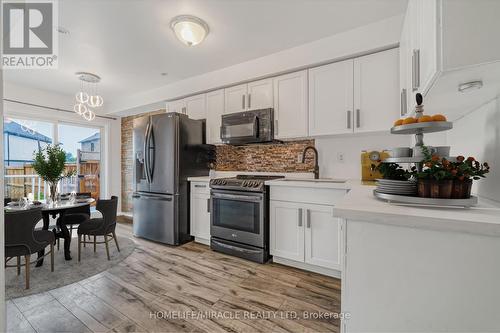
(190, 30)
(87, 98)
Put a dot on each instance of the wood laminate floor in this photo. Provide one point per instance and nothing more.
(187, 288)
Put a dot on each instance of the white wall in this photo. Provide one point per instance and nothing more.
(351, 147)
(370, 37)
(112, 131)
(478, 135)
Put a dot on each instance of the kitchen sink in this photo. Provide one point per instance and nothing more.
(312, 180)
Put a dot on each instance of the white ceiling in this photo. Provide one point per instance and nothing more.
(129, 42)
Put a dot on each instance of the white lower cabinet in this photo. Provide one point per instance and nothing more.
(307, 236)
(287, 230)
(200, 212)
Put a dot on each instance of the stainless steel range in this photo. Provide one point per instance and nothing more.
(239, 219)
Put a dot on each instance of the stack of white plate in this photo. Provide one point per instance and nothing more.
(398, 187)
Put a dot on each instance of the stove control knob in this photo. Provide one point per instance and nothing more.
(224, 182)
(244, 183)
(256, 184)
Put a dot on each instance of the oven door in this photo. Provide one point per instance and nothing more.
(238, 216)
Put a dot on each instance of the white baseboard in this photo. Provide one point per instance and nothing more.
(202, 241)
(307, 267)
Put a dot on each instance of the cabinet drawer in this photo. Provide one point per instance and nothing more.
(319, 196)
(200, 187)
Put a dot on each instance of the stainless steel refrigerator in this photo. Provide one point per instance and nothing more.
(168, 148)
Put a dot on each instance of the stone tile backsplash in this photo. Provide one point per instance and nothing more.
(275, 157)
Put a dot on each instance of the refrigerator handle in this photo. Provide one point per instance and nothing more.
(153, 152)
(146, 153)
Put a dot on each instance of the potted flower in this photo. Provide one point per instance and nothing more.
(49, 164)
(435, 180)
(441, 178)
(465, 171)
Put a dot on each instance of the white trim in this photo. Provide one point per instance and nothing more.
(307, 267)
(202, 241)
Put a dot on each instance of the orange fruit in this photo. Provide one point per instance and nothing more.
(398, 122)
(424, 119)
(438, 117)
(409, 120)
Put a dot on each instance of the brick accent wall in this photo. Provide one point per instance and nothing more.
(280, 157)
(127, 161)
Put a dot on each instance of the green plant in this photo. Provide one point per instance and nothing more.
(393, 171)
(438, 168)
(49, 163)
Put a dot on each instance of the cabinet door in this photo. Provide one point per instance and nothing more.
(215, 109)
(287, 230)
(178, 106)
(200, 216)
(260, 94)
(404, 68)
(427, 50)
(323, 237)
(196, 107)
(331, 99)
(290, 105)
(376, 86)
(235, 98)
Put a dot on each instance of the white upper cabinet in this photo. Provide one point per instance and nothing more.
(404, 68)
(235, 98)
(260, 94)
(196, 107)
(449, 42)
(376, 86)
(178, 106)
(290, 105)
(331, 99)
(215, 109)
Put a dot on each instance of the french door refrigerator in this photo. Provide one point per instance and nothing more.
(168, 148)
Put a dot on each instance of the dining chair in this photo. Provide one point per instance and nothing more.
(103, 226)
(76, 215)
(22, 240)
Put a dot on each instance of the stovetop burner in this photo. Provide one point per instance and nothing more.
(254, 183)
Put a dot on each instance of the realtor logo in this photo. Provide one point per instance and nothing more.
(29, 39)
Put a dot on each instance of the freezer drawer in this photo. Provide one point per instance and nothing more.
(155, 217)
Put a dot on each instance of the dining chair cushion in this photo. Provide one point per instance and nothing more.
(42, 239)
(92, 227)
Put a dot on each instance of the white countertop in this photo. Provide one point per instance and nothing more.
(200, 179)
(360, 204)
(341, 184)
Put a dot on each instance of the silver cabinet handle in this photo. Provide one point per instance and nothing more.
(358, 118)
(300, 217)
(348, 118)
(202, 186)
(404, 104)
(276, 127)
(249, 101)
(308, 218)
(243, 101)
(417, 67)
(208, 205)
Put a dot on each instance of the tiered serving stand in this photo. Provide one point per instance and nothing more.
(419, 129)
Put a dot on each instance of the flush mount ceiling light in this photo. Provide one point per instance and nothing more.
(87, 97)
(468, 86)
(190, 30)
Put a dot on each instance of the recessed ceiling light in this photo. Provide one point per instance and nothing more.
(163, 74)
(62, 30)
(472, 85)
(190, 30)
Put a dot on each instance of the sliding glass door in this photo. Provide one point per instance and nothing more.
(23, 137)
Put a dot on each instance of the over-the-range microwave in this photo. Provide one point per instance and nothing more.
(254, 126)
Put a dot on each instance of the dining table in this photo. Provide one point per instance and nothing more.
(56, 210)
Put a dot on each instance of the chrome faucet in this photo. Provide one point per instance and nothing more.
(316, 166)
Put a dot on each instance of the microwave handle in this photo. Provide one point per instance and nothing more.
(255, 127)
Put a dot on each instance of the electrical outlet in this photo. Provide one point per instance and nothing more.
(299, 158)
(340, 157)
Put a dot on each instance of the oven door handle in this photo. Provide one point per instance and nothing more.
(236, 197)
(235, 248)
